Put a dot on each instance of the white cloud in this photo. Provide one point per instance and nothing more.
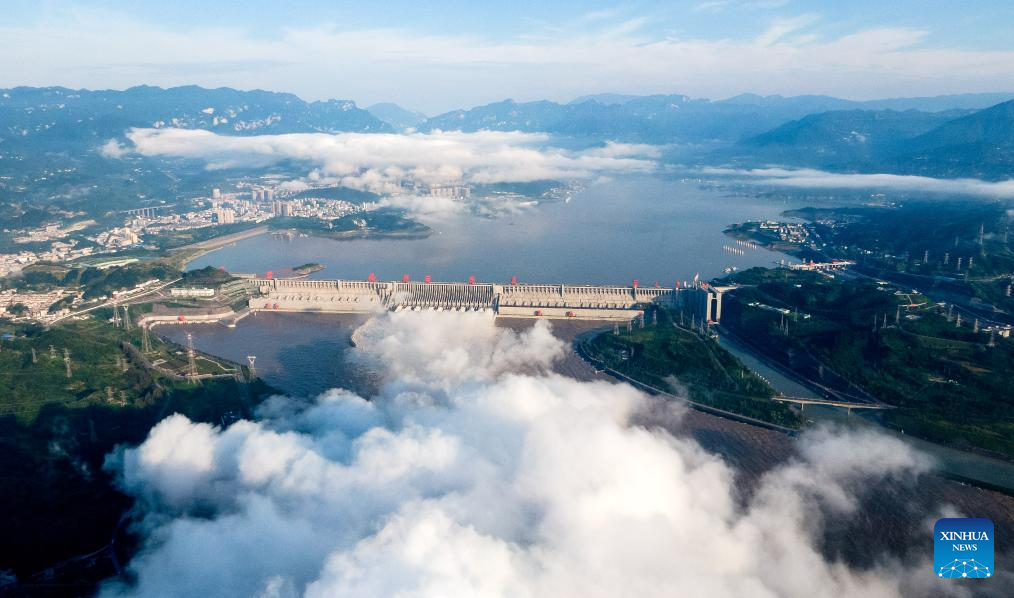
(780, 28)
(379, 161)
(438, 72)
(818, 179)
(473, 474)
(113, 149)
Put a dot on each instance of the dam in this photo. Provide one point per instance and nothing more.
(554, 301)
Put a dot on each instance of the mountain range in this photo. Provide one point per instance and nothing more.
(396, 116)
(956, 135)
(57, 115)
(949, 144)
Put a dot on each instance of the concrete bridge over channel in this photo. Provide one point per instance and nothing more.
(587, 302)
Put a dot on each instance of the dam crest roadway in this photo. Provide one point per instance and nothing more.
(554, 301)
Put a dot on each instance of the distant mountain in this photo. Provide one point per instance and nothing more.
(979, 145)
(57, 115)
(806, 103)
(966, 101)
(680, 119)
(840, 139)
(955, 143)
(396, 116)
(648, 119)
(606, 99)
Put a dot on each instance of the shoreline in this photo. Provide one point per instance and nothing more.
(203, 248)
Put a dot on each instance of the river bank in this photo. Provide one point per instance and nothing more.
(189, 253)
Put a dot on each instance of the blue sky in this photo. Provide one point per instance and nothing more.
(447, 54)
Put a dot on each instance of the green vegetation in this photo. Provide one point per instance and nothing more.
(378, 223)
(56, 432)
(208, 275)
(308, 268)
(949, 385)
(685, 364)
(92, 282)
(342, 193)
(104, 369)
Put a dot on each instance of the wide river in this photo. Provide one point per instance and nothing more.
(611, 233)
(645, 228)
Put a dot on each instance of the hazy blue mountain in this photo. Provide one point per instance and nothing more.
(50, 137)
(606, 99)
(396, 116)
(979, 145)
(955, 143)
(816, 103)
(56, 115)
(840, 138)
(648, 119)
(680, 119)
(963, 101)
(805, 103)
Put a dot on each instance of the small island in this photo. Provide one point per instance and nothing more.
(308, 268)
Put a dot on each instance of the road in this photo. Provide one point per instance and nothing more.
(118, 301)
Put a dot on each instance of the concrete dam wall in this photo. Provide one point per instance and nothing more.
(510, 300)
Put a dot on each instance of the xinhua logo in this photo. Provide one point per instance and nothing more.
(963, 548)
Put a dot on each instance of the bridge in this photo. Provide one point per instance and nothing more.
(559, 301)
(850, 405)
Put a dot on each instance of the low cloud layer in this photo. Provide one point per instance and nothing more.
(379, 161)
(467, 478)
(818, 179)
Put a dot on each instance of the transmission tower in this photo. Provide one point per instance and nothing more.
(191, 359)
(66, 361)
(126, 317)
(35, 358)
(253, 369)
(116, 315)
(145, 340)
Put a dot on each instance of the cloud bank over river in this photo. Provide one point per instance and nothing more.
(807, 178)
(475, 472)
(379, 162)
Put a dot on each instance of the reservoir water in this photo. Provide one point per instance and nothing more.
(610, 233)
